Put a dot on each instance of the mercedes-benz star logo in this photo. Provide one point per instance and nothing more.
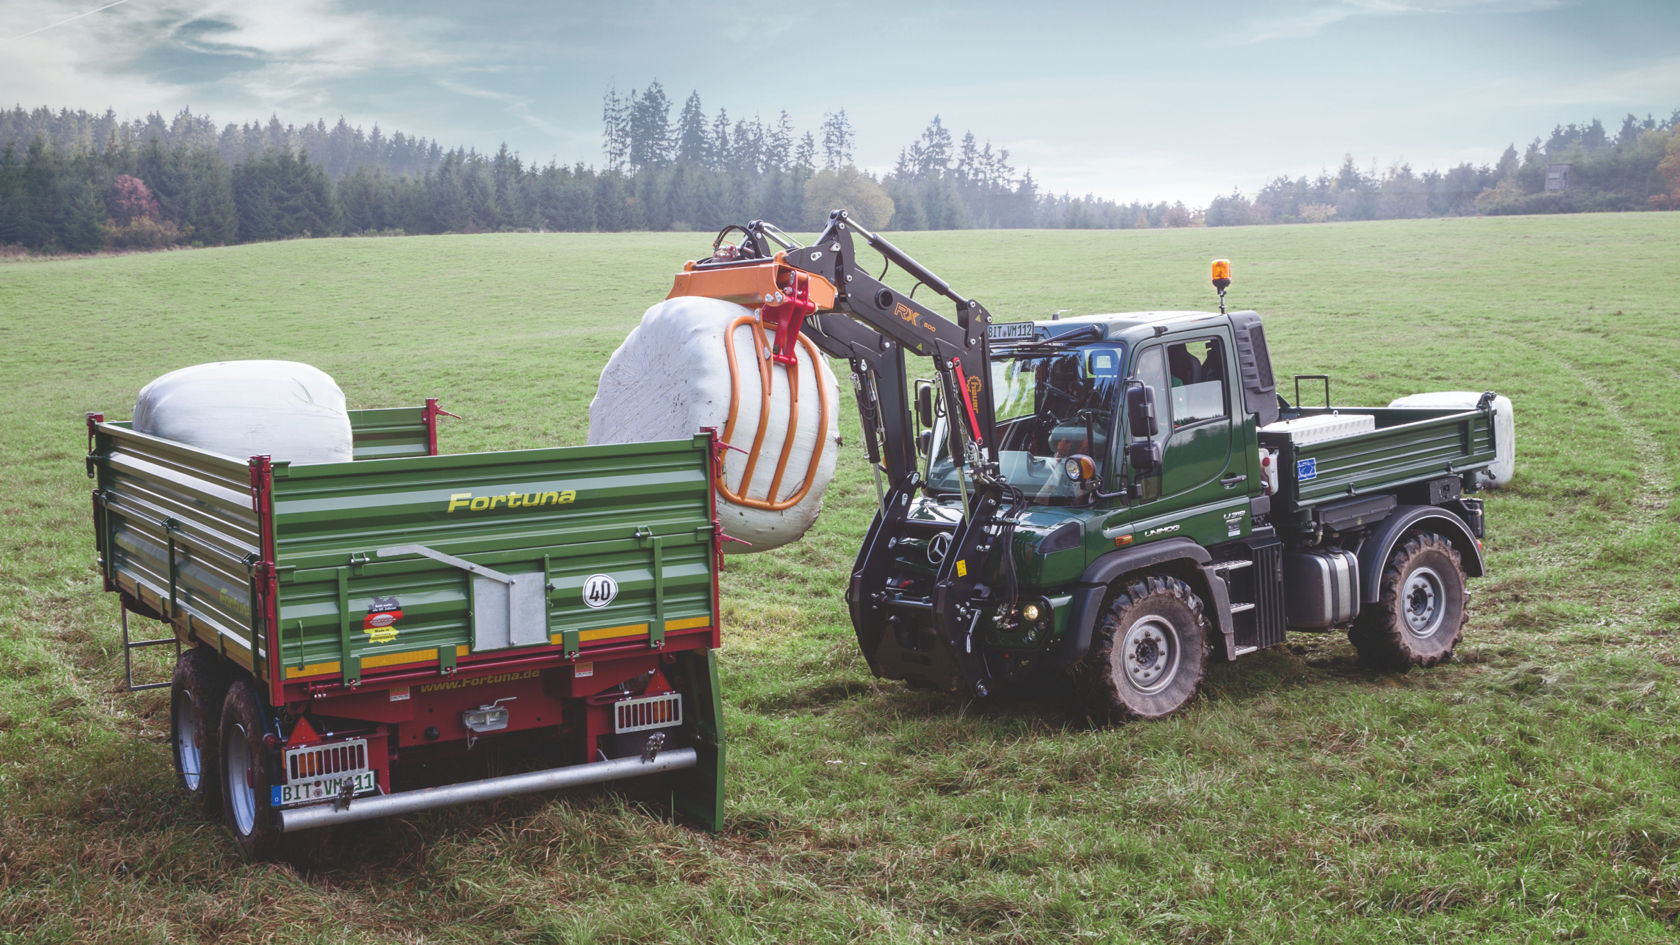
(939, 547)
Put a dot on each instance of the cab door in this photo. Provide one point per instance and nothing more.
(1200, 490)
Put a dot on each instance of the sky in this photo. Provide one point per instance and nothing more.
(1128, 101)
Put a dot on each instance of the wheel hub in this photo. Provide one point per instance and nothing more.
(1422, 598)
(1149, 652)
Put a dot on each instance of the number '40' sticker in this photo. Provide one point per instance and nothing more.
(599, 590)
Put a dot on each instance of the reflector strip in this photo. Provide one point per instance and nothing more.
(648, 712)
(370, 662)
(607, 633)
(319, 761)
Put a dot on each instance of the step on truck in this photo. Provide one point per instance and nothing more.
(1103, 503)
(351, 634)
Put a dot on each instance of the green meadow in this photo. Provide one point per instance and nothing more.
(1528, 791)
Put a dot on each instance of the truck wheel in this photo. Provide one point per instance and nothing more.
(248, 772)
(195, 711)
(1149, 652)
(1419, 614)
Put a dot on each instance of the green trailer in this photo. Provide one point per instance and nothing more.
(341, 625)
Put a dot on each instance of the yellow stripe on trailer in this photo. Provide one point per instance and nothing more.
(383, 659)
(609, 633)
(634, 630)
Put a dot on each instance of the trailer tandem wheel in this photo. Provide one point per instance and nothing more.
(196, 691)
(249, 772)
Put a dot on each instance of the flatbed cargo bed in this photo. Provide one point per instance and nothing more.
(1410, 447)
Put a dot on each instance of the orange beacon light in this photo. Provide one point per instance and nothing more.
(1221, 279)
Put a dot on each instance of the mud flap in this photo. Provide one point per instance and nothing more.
(697, 792)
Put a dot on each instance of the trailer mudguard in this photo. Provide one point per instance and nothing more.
(698, 791)
(1379, 544)
(1092, 589)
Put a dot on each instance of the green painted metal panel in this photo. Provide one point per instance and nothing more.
(388, 433)
(1408, 446)
(178, 527)
(639, 514)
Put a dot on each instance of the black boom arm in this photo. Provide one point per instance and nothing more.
(872, 323)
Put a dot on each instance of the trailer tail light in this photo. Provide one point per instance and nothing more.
(648, 712)
(486, 718)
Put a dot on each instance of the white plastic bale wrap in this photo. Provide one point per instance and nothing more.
(671, 377)
(1504, 426)
(289, 411)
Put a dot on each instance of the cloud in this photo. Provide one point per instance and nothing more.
(71, 18)
(1648, 82)
(230, 54)
(1304, 23)
(518, 106)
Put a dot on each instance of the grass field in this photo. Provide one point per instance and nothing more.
(1527, 791)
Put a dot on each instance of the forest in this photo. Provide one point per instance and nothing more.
(78, 182)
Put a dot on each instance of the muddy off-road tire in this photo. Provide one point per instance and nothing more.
(248, 771)
(1148, 653)
(1419, 615)
(195, 713)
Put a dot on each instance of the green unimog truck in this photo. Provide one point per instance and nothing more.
(1102, 503)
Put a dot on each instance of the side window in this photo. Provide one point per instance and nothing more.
(1197, 375)
(1152, 371)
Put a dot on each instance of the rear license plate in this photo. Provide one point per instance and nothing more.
(362, 782)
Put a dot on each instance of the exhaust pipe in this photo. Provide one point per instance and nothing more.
(408, 802)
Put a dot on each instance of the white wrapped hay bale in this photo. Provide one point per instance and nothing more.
(672, 376)
(289, 411)
(1504, 426)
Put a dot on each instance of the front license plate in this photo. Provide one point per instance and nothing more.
(285, 795)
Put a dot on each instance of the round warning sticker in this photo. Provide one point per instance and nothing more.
(599, 590)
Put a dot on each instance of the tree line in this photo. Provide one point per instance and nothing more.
(80, 182)
(1637, 168)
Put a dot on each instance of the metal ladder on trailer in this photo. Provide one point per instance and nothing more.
(130, 645)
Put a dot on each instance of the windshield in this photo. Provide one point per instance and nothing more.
(1051, 404)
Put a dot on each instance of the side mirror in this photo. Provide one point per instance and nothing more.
(924, 404)
(1140, 409)
(924, 443)
(1144, 456)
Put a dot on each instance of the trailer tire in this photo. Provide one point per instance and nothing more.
(1149, 652)
(1421, 607)
(196, 691)
(248, 772)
